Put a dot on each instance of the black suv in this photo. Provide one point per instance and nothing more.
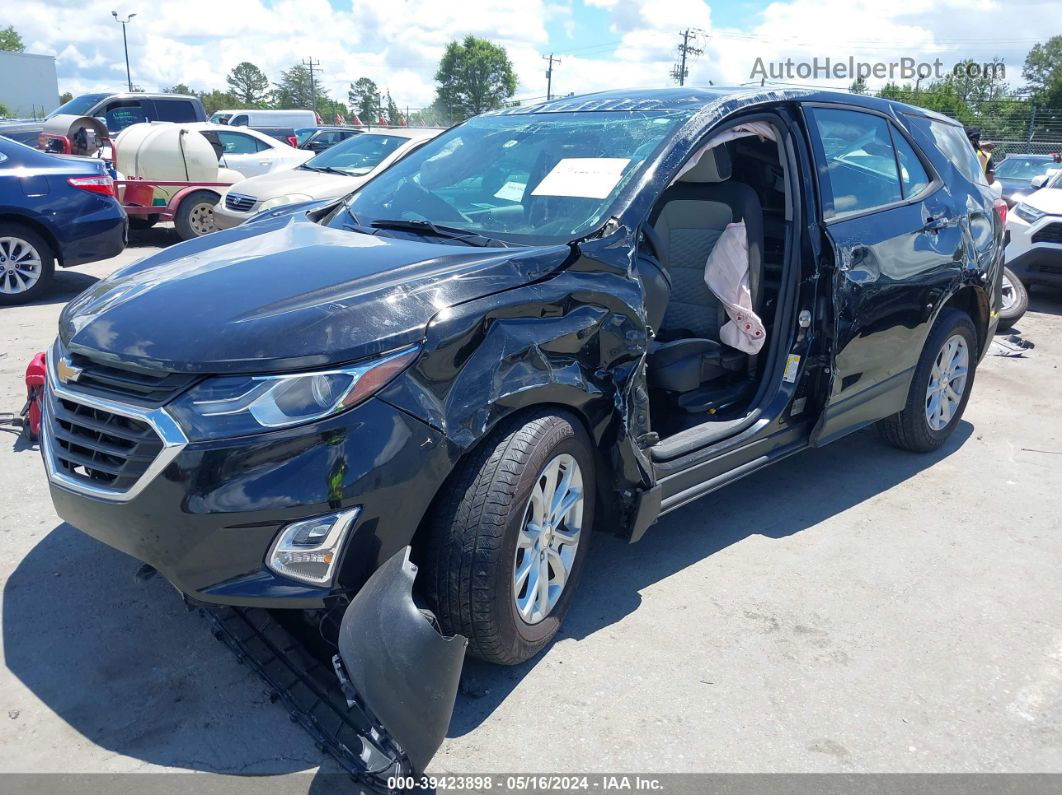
(550, 319)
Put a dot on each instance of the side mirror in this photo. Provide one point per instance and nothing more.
(1040, 181)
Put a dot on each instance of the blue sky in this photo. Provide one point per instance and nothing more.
(601, 43)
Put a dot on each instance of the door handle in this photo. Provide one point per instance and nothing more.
(263, 162)
(934, 224)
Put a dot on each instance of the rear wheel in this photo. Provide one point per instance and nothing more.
(510, 537)
(195, 214)
(940, 387)
(27, 264)
(1015, 300)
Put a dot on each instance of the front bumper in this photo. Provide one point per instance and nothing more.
(225, 218)
(1033, 262)
(206, 516)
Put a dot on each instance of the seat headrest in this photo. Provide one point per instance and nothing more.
(714, 166)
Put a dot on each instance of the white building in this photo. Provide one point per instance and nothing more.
(28, 85)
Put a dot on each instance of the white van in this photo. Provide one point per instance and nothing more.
(266, 118)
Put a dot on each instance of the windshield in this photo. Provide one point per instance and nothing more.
(78, 106)
(530, 178)
(221, 118)
(1018, 167)
(358, 155)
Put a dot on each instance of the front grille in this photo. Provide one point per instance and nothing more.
(239, 202)
(97, 447)
(145, 387)
(1052, 233)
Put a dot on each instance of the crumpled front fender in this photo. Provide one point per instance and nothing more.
(398, 664)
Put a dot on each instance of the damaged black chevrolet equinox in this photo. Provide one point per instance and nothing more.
(582, 314)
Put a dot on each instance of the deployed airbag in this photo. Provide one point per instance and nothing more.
(727, 276)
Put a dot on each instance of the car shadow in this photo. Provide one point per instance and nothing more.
(773, 503)
(159, 236)
(65, 285)
(124, 663)
(1046, 300)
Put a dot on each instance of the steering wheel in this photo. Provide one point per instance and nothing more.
(436, 205)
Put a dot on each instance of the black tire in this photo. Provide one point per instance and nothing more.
(1010, 315)
(10, 279)
(186, 222)
(139, 223)
(472, 549)
(910, 429)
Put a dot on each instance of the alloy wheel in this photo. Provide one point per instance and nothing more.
(1007, 293)
(549, 539)
(20, 265)
(947, 382)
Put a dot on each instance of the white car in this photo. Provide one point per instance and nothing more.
(1034, 232)
(335, 172)
(248, 151)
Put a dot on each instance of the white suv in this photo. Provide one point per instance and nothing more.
(1034, 233)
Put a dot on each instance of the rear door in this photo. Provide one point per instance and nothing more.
(896, 243)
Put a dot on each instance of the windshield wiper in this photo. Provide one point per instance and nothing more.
(325, 170)
(448, 232)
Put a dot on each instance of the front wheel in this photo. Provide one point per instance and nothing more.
(510, 537)
(1015, 300)
(940, 387)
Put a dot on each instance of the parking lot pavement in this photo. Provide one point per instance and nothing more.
(853, 608)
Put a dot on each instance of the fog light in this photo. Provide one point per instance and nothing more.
(307, 550)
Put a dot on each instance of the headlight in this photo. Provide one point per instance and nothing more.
(238, 405)
(1028, 214)
(280, 201)
(309, 550)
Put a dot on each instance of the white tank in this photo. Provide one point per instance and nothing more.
(165, 152)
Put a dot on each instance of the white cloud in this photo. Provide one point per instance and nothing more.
(398, 43)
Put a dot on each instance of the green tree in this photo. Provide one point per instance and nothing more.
(179, 88)
(294, 89)
(364, 99)
(1043, 67)
(65, 97)
(474, 76)
(5, 113)
(328, 108)
(394, 115)
(10, 41)
(249, 85)
(858, 86)
(215, 100)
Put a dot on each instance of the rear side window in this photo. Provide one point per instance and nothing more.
(174, 110)
(913, 176)
(122, 113)
(860, 159)
(952, 141)
(239, 121)
(240, 144)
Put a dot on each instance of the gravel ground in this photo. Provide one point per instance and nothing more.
(851, 609)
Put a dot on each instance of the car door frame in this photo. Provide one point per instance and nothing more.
(256, 154)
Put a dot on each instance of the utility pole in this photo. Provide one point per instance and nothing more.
(125, 44)
(1032, 128)
(549, 74)
(680, 72)
(311, 63)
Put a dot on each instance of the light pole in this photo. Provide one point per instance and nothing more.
(125, 43)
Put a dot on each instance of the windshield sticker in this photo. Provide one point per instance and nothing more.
(511, 192)
(582, 177)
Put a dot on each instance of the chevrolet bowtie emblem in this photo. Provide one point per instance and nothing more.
(67, 372)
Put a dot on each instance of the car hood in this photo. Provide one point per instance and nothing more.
(314, 184)
(1049, 200)
(286, 294)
